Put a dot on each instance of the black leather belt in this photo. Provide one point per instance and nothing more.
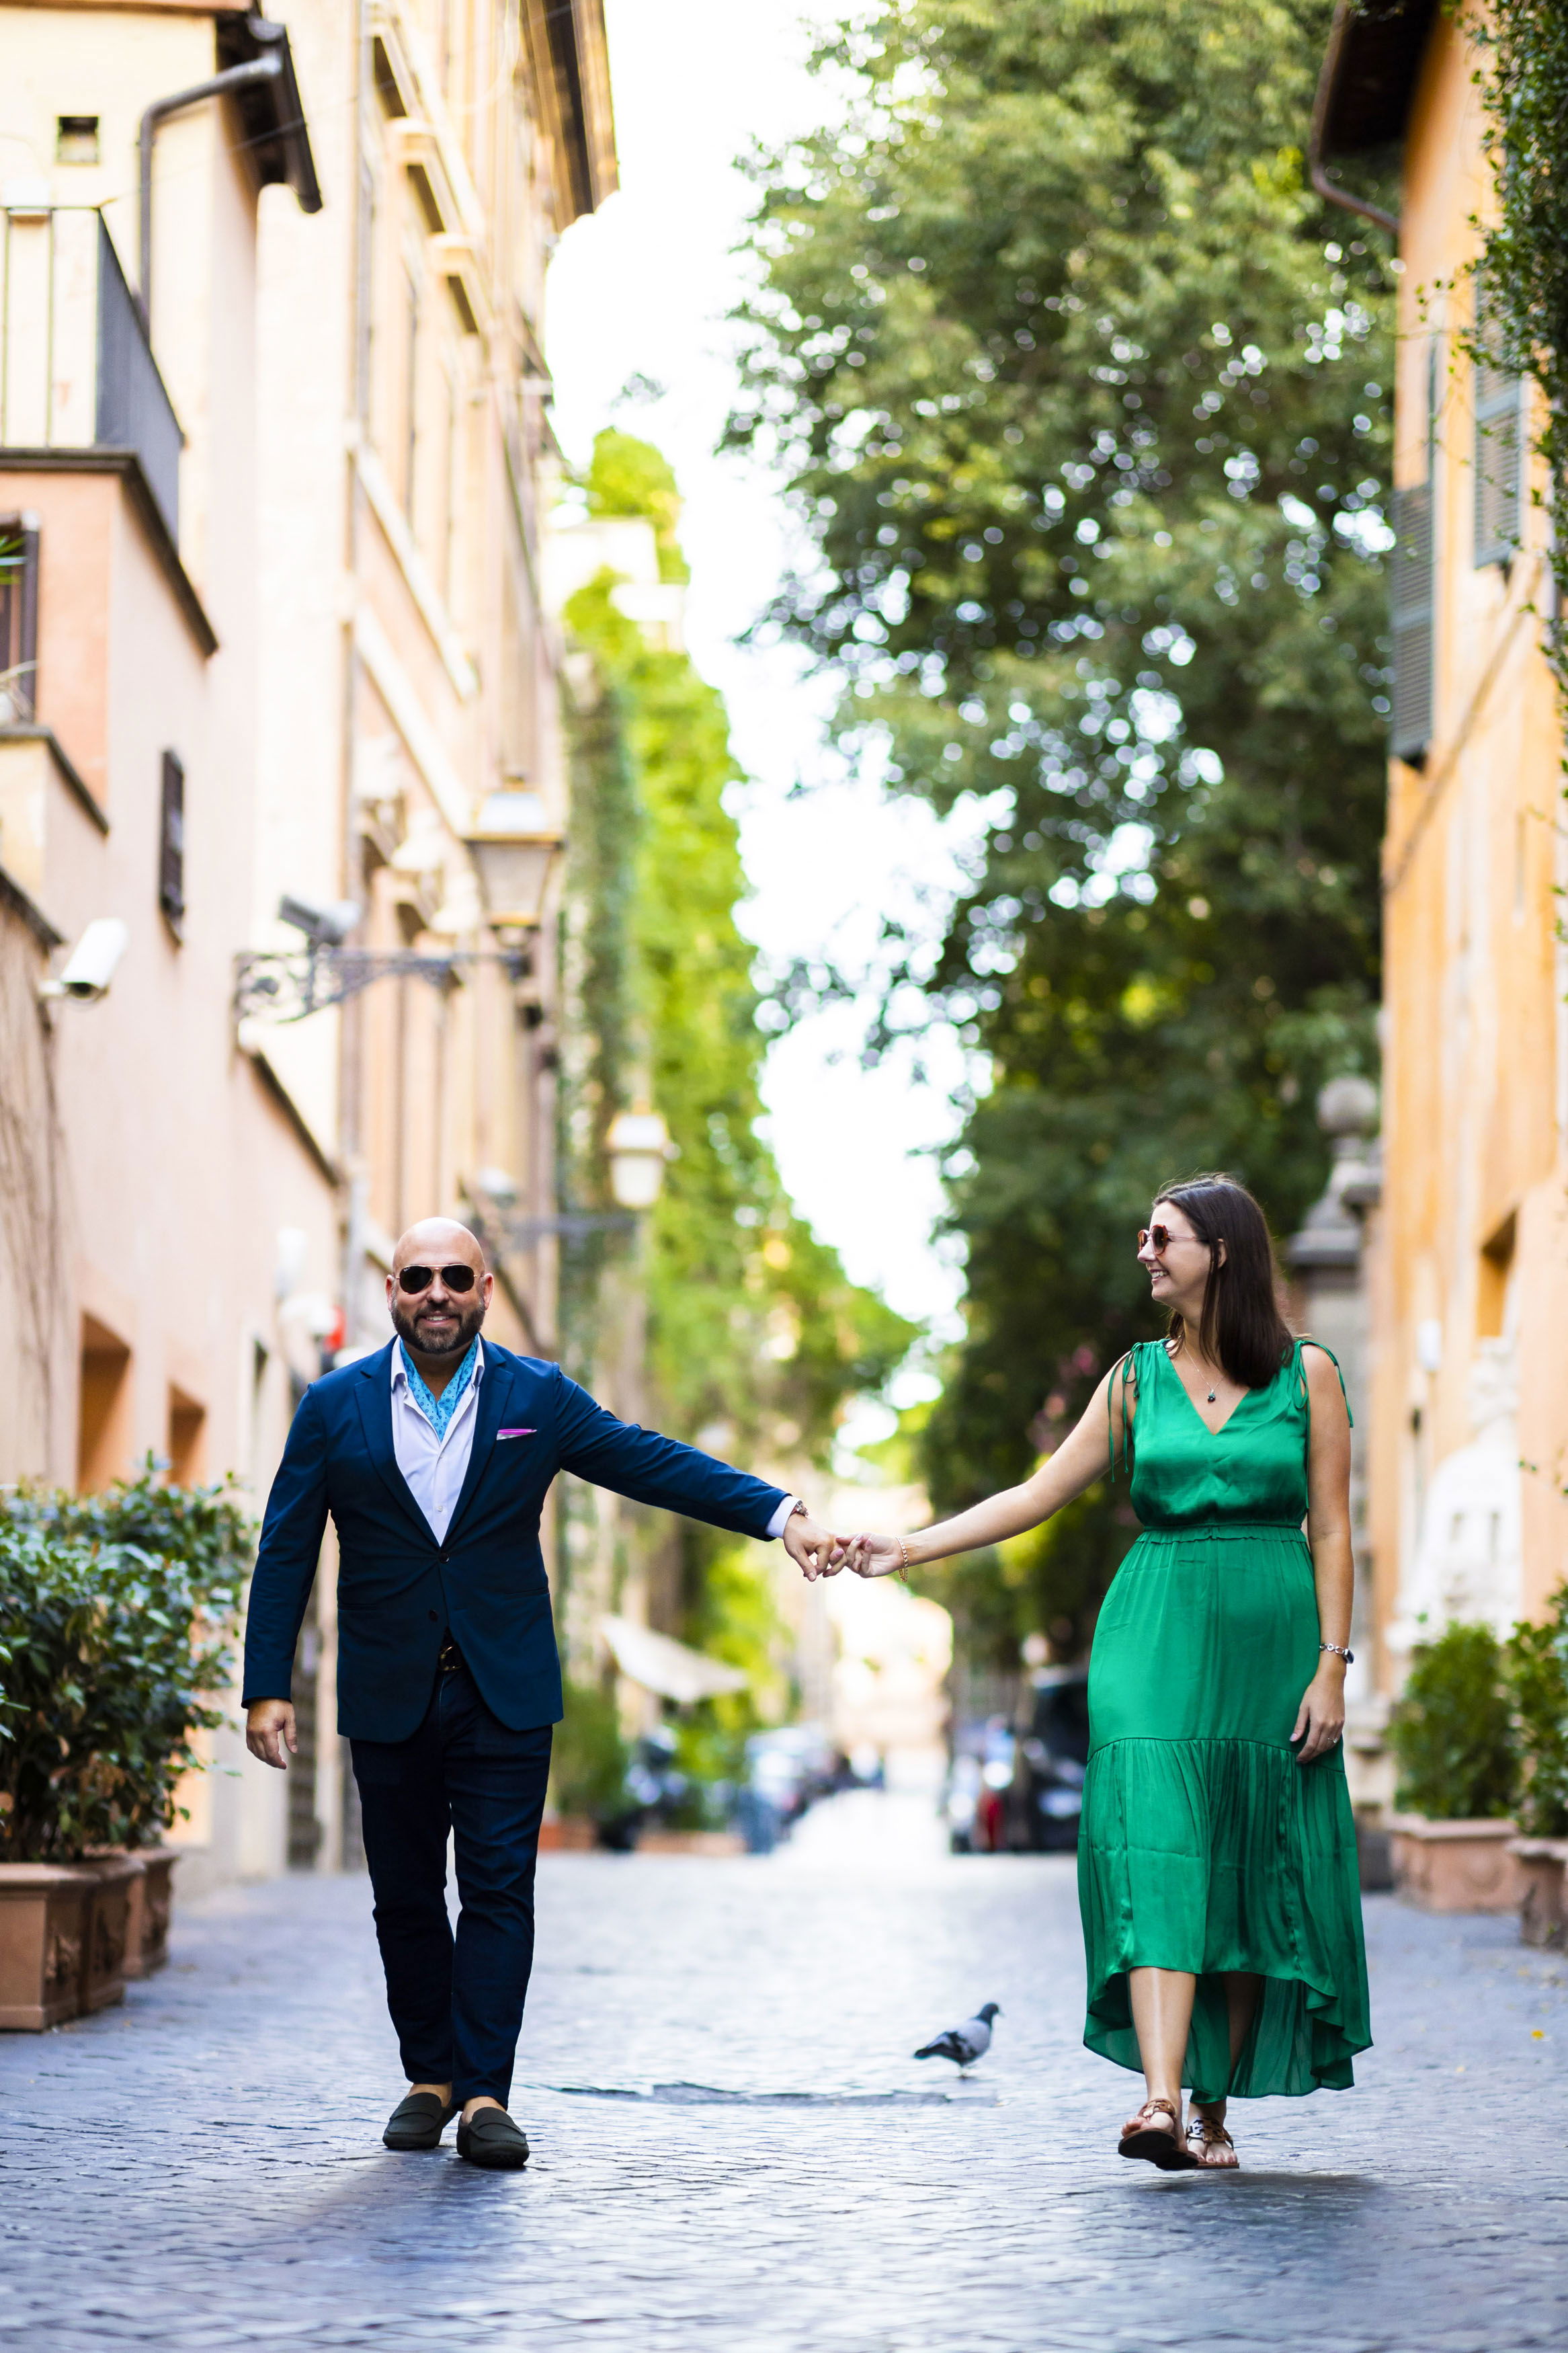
(451, 1658)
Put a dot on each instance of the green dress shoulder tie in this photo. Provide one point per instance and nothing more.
(1203, 1845)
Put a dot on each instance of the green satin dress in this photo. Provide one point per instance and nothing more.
(1203, 1845)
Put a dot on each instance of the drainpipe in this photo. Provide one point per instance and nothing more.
(1315, 171)
(266, 69)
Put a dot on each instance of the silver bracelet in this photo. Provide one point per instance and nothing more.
(1348, 1656)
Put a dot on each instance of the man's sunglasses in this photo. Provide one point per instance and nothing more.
(414, 1279)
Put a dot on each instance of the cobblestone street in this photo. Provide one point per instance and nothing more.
(735, 2151)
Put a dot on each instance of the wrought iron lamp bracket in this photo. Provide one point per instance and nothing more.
(279, 985)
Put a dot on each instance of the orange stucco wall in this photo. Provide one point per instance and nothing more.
(1469, 1449)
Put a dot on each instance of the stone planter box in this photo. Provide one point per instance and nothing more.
(151, 1908)
(690, 1842)
(1543, 1901)
(1455, 1866)
(46, 1928)
(116, 1887)
(568, 1834)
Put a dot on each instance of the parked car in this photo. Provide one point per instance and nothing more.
(1046, 1796)
(791, 1768)
(978, 1777)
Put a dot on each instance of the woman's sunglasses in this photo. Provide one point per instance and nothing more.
(416, 1279)
(1161, 1236)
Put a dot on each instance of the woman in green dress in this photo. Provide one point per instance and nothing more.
(1216, 1857)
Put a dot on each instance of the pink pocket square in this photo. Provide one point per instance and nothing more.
(517, 1433)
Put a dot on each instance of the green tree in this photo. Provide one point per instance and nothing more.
(1081, 397)
(753, 1329)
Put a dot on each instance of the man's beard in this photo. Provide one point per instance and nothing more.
(468, 1319)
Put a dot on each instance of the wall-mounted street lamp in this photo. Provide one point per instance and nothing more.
(638, 1143)
(513, 847)
(287, 988)
(638, 1151)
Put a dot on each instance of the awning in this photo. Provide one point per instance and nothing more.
(663, 1665)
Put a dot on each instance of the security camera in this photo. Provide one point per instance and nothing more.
(92, 961)
(324, 927)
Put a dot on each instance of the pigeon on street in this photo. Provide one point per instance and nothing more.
(967, 2043)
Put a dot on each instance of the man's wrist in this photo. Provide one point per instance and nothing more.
(783, 1514)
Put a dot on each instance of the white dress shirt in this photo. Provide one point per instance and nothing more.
(436, 1468)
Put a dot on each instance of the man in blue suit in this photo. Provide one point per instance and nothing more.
(434, 1457)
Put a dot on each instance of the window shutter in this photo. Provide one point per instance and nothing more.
(18, 617)
(1412, 618)
(172, 843)
(1499, 467)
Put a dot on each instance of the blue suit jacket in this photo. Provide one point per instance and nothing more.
(399, 1590)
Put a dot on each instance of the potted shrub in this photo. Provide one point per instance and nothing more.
(204, 1533)
(1453, 1740)
(116, 1613)
(1535, 1666)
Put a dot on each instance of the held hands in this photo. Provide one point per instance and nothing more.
(814, 1550)
(269, 1727)
(876, 1555)
(1321, 1718)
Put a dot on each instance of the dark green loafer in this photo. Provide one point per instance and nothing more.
(417, 2122)
(491, 2138)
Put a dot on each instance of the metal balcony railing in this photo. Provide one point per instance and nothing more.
(77, 371)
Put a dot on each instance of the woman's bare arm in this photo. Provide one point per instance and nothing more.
(1321, 1717)
(1082, 1457)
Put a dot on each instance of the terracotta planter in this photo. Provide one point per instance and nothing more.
(690, 1842)
(1543, 1908)
(567, 1834)
(113, 1876)
(151, 1909)
(1455, 1866)
(46, 1926)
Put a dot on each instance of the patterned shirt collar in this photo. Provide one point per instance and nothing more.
(437, 1410)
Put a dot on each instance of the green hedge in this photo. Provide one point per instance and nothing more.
(1535, 1664)
(117, 1617)
(1452, 1733)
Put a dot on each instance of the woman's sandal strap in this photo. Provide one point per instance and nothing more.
(1210, 2131)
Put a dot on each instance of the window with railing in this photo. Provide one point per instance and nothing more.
(18, 619)
(77, 371)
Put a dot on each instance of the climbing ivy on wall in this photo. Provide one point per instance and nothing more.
(755, 1336)
(1522, 274)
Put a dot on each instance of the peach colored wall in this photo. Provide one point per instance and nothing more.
(364, 698)
(1476, 1114)
(398, 610)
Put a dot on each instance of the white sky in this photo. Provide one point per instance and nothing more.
(643, 286)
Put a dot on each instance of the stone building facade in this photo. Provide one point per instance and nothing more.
(274, 456)
(1467, 1255)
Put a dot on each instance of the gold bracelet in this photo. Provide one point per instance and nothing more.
(904, 1563)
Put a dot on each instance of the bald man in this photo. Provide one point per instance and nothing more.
(434, 1457)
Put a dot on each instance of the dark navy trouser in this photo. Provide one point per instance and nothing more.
(456, 2003)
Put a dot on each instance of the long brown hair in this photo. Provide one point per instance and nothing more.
(1241, 1327)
